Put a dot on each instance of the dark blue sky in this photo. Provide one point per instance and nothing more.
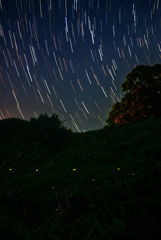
(71, 56)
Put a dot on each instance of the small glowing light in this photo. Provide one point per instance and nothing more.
(57, 209)
(52, 187)
(9, 192)
(10, 169)
(118, 168)
(37, 170)
(93, 180)
(90, 205)
(133, 174)
(45, 218)
(74, 169)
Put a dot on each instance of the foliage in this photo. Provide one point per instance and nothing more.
(47, 122)
(40, 134)
(112, 194)
(142, 97)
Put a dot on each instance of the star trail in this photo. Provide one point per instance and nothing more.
(70, 57)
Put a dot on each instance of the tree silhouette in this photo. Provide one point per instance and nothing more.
(36, 136)
(52, 122)
(142, 97)
(48, 132)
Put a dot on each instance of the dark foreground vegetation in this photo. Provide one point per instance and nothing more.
(102, 184)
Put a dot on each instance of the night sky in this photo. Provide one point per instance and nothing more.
(70, 57)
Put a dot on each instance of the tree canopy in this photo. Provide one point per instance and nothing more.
(42, 134)
(48, 132)
(45, 121)
(142, 97)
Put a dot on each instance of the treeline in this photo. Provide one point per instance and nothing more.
(42, 134)
(142, 100)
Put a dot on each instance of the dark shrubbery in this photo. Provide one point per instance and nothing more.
(104, 185)
(42, 134)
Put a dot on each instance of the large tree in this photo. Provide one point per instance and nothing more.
(142, 97)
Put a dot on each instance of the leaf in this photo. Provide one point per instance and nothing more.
(119, 223)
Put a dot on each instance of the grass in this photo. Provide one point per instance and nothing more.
(104, 185)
